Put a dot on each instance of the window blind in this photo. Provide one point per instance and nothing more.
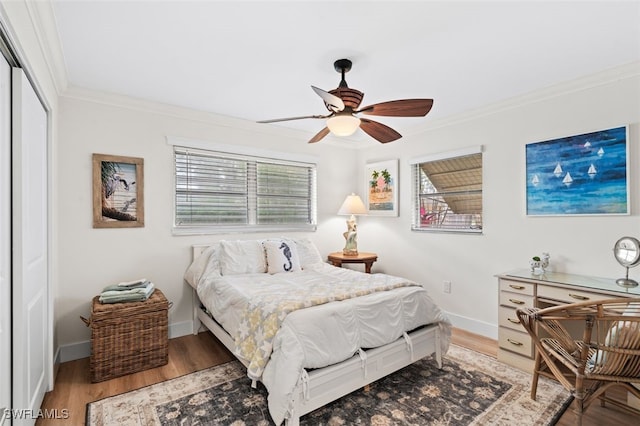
(221, 190)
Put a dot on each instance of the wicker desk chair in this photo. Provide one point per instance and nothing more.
(607, 355)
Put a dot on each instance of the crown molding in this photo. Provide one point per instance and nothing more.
(610, 76)
(603, 78)
(46, 31)
(190, 114)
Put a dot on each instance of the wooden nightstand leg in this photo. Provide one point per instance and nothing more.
(367, 267)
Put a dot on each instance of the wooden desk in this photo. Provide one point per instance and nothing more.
(338, 258)
(521, 288)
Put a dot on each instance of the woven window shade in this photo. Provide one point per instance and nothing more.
(449, 194)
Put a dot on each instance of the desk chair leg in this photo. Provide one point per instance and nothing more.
(536, 375)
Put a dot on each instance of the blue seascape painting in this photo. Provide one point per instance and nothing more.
(578, 175)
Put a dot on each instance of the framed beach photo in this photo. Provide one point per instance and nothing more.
(118, 191)
(585, 174)
(381, 181)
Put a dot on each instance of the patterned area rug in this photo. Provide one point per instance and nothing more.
(471, 389)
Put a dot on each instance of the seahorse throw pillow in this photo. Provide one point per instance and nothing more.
(282, 256)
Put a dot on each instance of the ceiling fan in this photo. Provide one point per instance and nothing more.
(343, 103)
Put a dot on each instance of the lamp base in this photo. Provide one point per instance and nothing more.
(350, 252)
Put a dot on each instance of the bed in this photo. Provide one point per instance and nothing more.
(309, 331)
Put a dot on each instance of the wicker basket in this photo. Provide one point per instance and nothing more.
(128, 337)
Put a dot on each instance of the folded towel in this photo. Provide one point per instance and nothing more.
(124, 299)
(131, 295)
(133, 283)
(140, 290)
(119, 287)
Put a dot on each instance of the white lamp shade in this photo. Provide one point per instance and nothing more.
(352, 205)
(343, 124)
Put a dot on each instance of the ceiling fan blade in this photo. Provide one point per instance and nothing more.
(329, 99)
(379, 131)
(275, 120)
(400, 108)
(321, 134)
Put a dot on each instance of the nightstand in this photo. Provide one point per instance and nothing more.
(338, 258)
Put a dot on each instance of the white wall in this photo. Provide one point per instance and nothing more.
(89, 259)
(581, 245)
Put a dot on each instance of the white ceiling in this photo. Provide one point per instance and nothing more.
(257, 60)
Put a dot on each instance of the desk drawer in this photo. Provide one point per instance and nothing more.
(515, 300)
(516, 287)
(507, 318)
(515, 341)
(567, 295)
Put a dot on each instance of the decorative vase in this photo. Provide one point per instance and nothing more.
(539, 264)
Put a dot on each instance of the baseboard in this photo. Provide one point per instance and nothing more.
(474, 326)
(82, 349)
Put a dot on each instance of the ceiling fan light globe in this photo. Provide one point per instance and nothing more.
(343, 125)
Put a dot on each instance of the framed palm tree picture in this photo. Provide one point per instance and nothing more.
(118, 191)
(381, 180)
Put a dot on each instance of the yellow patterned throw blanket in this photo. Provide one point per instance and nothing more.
(270, 305)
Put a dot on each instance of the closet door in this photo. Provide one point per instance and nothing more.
(5, 237)
(31, 344)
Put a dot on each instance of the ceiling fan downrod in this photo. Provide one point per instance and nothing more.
(343, 66)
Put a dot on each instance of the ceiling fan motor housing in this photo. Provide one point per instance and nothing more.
(350, 97)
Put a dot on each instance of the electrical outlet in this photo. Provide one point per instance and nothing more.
(446, 287)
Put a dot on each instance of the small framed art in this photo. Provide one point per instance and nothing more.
(381, 180)
(585, 174)
(118, 191)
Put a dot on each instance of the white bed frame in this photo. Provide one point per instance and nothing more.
(327, 384)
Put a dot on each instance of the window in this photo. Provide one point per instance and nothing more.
(222, 192)
(448, 192)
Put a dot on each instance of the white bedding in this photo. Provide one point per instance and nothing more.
(321, 335)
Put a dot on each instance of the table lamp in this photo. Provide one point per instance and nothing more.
(352, 206)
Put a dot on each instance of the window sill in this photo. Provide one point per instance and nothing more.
(239, 229)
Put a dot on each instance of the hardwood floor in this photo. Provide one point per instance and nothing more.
(73, 389)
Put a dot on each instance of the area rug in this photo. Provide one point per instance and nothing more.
(470, 389)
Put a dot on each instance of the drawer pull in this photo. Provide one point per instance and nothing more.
(515, 321)
(516, 287)
(513, 342)
(579, 297)
(516, 301)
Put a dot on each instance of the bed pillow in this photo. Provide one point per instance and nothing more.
(282, 256)
(207, 264)
(621, 334)
(309, 254)
(242, 257)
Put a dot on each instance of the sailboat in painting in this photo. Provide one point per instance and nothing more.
(567, 179)
(535, 180)
(592, 170)
(558, 170)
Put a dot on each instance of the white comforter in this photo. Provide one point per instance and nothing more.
(325, 334)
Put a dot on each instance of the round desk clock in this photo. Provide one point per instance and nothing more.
(627, 253)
